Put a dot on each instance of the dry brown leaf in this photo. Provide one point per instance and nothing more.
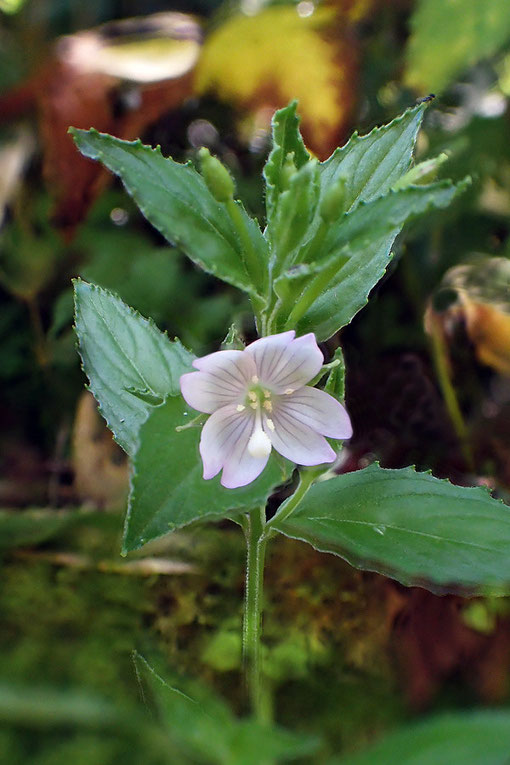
(119, 79)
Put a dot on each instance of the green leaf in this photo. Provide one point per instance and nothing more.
(373, 163)
(46, 707)
(128, 361)
(203, 726)
(424, 172)
(371, 221)
(459, 35)
(167, 489)
(233, 340)
(286, 140)
(410, 526)
(335, 384)
(23, 528)
(356, 254)
(474, 738)
(350, 254)
(176, 200)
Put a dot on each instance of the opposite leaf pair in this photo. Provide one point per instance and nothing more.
(408, 525)
(330, 225)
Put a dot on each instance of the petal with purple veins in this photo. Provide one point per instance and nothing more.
(297, 441)
(289, 367)
(267, 352)
(205, 393)
(219, 435)
(241, 467)
(230, 365)
(318, 410)
(224, 444)
(222, 379)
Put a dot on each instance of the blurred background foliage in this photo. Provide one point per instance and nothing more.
(349, 654)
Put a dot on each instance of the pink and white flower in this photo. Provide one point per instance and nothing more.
(259, 399)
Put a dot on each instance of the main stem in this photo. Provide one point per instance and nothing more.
(252, 624)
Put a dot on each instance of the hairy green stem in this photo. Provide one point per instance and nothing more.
(253, 596)
(257, 532)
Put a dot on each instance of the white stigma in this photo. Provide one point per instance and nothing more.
(259, 444)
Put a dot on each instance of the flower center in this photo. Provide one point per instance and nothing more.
(259, 398)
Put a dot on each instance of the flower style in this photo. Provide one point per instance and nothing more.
(258, 398)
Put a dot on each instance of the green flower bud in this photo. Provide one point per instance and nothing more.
(422, 173)
(333, 202)
(289, 169)
(217, 177)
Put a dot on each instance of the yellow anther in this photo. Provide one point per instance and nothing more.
(240, 408)
(288, 391)
(268, 406)
(254, 406)
(267, 394)
(252, 395)
(270, 424)
(255, 379)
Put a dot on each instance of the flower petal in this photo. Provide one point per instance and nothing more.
(233, 366)
(318, 410)
(205, 393)
(222, 379)
(284, 363)
(267, 352)
(224, 443)
(240, 467)
(297, 441)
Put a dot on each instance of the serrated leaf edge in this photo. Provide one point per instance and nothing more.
(410, 581)
(209, 268)
(138, 316)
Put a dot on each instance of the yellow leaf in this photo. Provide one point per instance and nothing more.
(483, 290)
(261, 62)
